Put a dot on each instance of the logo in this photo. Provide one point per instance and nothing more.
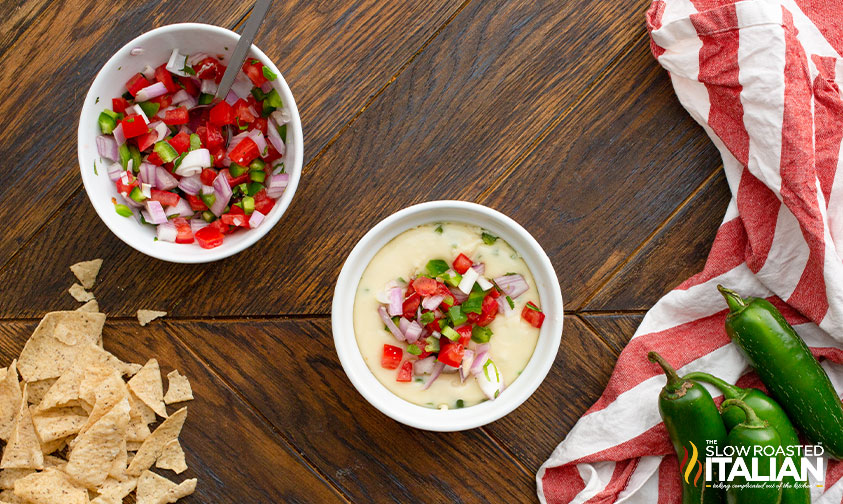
(688, 466)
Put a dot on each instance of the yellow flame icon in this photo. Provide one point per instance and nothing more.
(691, 463)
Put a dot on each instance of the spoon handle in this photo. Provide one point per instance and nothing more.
(242, 48)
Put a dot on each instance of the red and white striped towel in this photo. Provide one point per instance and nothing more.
(763, 78)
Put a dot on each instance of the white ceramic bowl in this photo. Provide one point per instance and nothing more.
(109, 83)
(342, 316)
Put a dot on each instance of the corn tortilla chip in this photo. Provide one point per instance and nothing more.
(9, 476)
(86, 272)
(38, 389)
(113, 491)
(178, 388)
(151, 449)
(140, 416)
(121, 462)
(79, 293)
(133, 446)
(156, 489)
(90, 306)
(103, 388)
(147, 386)
(58, 423)
(56, 343)
(10, 400)
(172, 457)
(147, 316)
(23, 450)
(50, 487)
(8, 496)
(95, 450)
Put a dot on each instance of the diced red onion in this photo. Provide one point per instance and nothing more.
(151, 91)
(478, 362)
(231, 98)
(146, 173)
(468, 279)
(194, 162)
(196, 58)
(176, 63)
(483, 347)
(437, 370)
(107, 147)
(258, 138)
(436, 334)
(503, 305)
(156, 212)
(512, 285)
(180, 96)
(119, 137)
(276, 184)
(281, 116)
(242, 86)
(182, 209)
(484, 283)
(209, 86)
(159, 128)
(479, 268)
(432, 302)
(164, 179)
(266, 87)
(465, 366)
(166, 231)
(222, 193)
(459, 296)
(136, 51)
(403, 325)
(115, 171)
(387, 320)
(395, 302)
(146, 190)
(413, 332)
(450, 369)
(189, 103)
(139, 111)
(197, 224)
(190, 185)
(275, 138)
(206, 189)
(424, 366)
(148, 72)
(256, 219)
(490, 383)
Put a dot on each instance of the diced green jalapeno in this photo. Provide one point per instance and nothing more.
(253, 188)
(236, 170)
(426, 318)
(107, 121)
(195, 142)
(457, 316)
(257, 165)
(125, 155)
(432, 344)
(274, 99)
(123, 210)
(450, 333)
(205, 99)
(137, 195)
(414, 350)
(248, 203)
(436, 267)
(136, 158)
(481, 334)
(165, 151)
(208, 216)
(258, 94)
(257, 176)
(208, 199)
(150, 108)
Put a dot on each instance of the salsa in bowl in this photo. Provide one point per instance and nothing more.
(447, 315)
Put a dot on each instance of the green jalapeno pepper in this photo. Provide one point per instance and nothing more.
(693, 423)
(768, 410)
(749, 435)
(788, 369)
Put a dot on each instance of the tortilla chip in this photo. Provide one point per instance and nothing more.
(86, 272)
(50, 487)
(9, 476)
(121, 462)
(57, 423)
(178, 389)
(79, 293)
(172, 457)
(49, 447)
(8, 496)
(147, 386)
(95, 450)
(113, 491)
(151, 449)
(90, 306)
(10, 399)
(147, 316)
(133, 446)
(38, 389)
(140, 416)
(156, 489)
(56, 343)
(103, 388)
(23, 450)
(65, 391)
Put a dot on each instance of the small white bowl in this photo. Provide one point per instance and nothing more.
(342, 316)
(110, 83)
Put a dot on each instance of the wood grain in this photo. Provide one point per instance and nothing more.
(235, 455)
(289, 370)
(674, 254)
(608, 175)
(578, 377)
(614, 328)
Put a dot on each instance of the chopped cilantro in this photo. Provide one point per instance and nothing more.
(269, 74)
(438, 229)
(488, 238)
(414, 349)
(186, 69)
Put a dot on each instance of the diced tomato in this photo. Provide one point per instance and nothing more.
(180, 142)
(163, 102)
(185, 233)
(119, 104)
(259, 124)
(495, 293)
(234, 181)
(425, 286)
(411, 304)
(208, 176)
(221, 114)
(176, 116)
(242, 113)
(254, 70)
(233, 219)
(196, 203)
(443, 290)
(219, 157)
(410, 289)
(166, 198)
(405, 374)
(489, 310)
(209, 237)
(533, 315)
(154, 158)
(147, 140)
(209, 68)
(164, 76)
(245, 152)
(189, 86)
(391, 356)
(236, 210)
(450, 353)
(136, 83)
(465, 333)
(271, 153)
(134, 125)
(263, 203)
(462, 263)
(220, 226)
(126, 188)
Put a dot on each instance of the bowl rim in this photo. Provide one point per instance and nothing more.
(102, 205)
(412, 414)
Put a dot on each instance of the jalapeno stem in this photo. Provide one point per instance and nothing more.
(673, 378)
(729, 391)
(752, 419)
(733, 299)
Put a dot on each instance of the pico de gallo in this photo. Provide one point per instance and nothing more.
(196, 169)
(440, 320)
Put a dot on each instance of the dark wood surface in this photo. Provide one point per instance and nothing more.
(553, 112)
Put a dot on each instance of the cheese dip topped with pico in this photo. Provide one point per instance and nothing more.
(447, 315)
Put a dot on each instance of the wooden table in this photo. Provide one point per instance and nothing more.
(552, 112)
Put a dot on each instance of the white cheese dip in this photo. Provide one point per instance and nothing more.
(513, 340)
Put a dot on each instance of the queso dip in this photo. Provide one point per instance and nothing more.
(447, 315)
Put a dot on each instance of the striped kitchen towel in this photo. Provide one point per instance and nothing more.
(763, 77)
